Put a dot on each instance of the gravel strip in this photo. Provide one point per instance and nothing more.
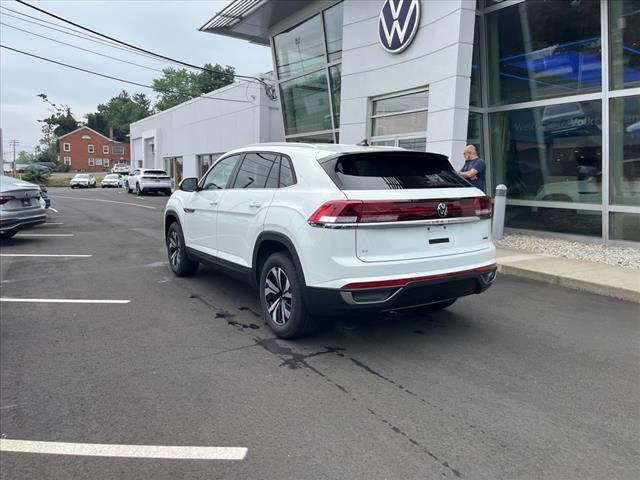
(591, 252)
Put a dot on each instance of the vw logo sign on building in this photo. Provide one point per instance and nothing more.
(399, 20)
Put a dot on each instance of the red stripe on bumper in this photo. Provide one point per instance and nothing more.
(401, 282)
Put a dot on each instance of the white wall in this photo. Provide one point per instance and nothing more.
(237, 115)
(439, 57)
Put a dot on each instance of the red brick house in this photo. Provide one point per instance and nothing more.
(86, 150)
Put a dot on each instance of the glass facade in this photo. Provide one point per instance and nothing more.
(308, 68)
(560, 108)
(624, 29)
(401, 120)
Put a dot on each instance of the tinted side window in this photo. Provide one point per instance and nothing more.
(287, 177)
(274, 175)
(254, 170)
(219, 175)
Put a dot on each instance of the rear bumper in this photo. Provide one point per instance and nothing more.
(12, 224)
(416, 292)
(156, 186)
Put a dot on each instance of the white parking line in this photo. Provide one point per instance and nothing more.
(131, 451)
(54, 210)
(43, 255)
(44, 235)
(106, 201)
(50, 223)
(59, 300)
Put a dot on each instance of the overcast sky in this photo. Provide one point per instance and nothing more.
(163, 26)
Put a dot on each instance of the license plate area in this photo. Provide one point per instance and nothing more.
(439, 235)
(26, 202)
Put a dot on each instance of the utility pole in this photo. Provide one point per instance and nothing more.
(14, 143)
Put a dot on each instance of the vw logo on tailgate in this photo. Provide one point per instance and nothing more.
(442, 209)
(399, 20)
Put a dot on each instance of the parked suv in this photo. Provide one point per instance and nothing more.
(144, 180)
(335, 229)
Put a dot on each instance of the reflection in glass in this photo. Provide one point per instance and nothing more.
(625, 150)
(335, 75)
(415, 144)
(543, 49)
(549, 153)
(475, 99)
(624, 29)
(403, 103)
(559, 220)
(320, 138)
(624, 226)
(300, 49)
(398, 124)
(305, 102)
(333, 30)
(474, 133)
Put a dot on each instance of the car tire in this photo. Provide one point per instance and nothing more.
(138, 190)
(126, 186)
(280, 287)
(167, 192)
(436, 307)
(6, 235)
(179, 262)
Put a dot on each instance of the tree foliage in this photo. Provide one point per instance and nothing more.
(177, 85)
(118, 113)
(60, 122)
(24, 157)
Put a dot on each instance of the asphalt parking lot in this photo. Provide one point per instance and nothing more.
(527, 381)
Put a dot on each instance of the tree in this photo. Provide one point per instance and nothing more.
(118, 113)
(60, 122)
(24, 157)
(177, 85)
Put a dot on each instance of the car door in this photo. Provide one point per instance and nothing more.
(243, 207)
(202, 205)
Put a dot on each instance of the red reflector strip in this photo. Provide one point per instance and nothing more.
(401, 282)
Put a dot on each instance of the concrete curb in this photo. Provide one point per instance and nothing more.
(620, 293)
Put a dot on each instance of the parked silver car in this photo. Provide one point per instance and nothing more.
(21, 206)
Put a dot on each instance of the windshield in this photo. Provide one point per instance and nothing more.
(82, 175)
(111, 177)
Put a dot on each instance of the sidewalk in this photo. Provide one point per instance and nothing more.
(598, 278)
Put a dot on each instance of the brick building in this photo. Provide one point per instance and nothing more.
(86, 150)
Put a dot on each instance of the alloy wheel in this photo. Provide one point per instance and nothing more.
(277, 293)
(175, 252)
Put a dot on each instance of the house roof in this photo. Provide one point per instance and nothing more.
(92, 130)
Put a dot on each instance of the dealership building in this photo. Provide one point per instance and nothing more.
(548, 91)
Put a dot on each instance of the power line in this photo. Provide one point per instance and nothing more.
(80, 35)
(80, 48)
(268, 88)
(116, 78)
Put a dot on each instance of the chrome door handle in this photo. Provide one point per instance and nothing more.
(255, 204)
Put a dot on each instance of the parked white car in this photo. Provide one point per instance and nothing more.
(335, 229)
(111, 180)
(145, 180)
(121, 168)
(81, 180)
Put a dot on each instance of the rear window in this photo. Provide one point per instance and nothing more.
(155, 172)
(393, 171)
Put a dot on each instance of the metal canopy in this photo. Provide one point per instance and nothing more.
(251, 19)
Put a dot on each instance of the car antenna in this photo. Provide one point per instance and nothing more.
(363, 143)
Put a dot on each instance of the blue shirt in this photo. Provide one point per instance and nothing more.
(478, 165)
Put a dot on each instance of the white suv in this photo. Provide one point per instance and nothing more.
(334, 229)
(145, 180)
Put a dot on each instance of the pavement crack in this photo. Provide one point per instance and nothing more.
(295, 360)
(414, 442)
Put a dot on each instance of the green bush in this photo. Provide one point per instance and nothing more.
(39, 177)
(63, 168)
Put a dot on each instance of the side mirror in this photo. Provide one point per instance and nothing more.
(189, 184)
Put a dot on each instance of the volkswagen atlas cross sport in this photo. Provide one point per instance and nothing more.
(324, 230)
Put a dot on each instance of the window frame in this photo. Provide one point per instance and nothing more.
(66, 147)
(398, 136)
(239, 166)
(214, 164)
(105, 149)
(91, 148)
(113, 150)
(91, 162)
(66, 160)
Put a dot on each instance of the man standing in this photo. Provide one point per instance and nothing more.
(473, 168)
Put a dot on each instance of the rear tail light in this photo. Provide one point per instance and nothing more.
(6, 198)
(357, 211)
